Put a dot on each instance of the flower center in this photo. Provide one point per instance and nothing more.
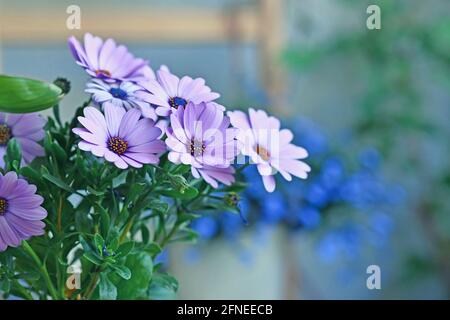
(262, 152)
(100, 73)
(5, 134)
(118, 93)
(117, 145)
(196, 148)
(177, 102)
(3, 206)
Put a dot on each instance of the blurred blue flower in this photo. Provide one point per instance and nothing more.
(327, 247)
(332, 172)
(256, 188)
(309, 217)
(244, 208)
(232, 225)
(206, 227)
(317, 195)
(382, 226)
(273, 208)
(342, 242)
(370, 158)
(306, 204)
(310, 137)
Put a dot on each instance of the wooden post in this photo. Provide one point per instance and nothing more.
(272, 43)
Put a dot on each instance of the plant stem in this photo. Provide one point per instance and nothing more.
(169, 236)
(92, 285)
(171, 233)
(22, 290)
(127, 229)
(59, 215)
(42, 269)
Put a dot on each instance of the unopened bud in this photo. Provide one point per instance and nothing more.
(179, 183)
(232, 199)
(63, 84)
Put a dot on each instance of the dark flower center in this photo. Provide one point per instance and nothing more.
(196, 148)
(177, 102)
(3, 206)
(117, 145)
(262, 152)
(102, 73)
(5, 134)
(118, 93)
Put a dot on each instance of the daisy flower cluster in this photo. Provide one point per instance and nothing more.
(138, 116)
(20, 207)
(125, 177)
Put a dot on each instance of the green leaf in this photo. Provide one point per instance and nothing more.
(120, 179)
(59, 152)
(99, 242)
(125, 248)
(107, 289)
(184, 217)
(135, 190)
(21, 95)
(105, 222)
(236, 187)
(5, 285)
(182, 169)
(162, 287)
(46, 175)
(122, 271)
(114, 242)
(30, 173)
(13, 155)
(13, 150)
(94, 192)
(186, 235)
(92, 257)
(145, 234)
(136, 287)
(159, 206)
(188, 193)
(153, 249)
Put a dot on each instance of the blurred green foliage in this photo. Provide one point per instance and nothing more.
(395, 111)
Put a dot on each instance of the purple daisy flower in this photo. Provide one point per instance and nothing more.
(269, 147)
(168, 92)
(109, 61)
(200, 136)
(27, 129)
(120, 136)
(20, 211)
(213, 175)
(122, 94)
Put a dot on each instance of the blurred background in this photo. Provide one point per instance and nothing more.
(371, 106)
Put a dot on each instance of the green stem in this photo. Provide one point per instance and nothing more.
(92, 285)
(59, 215)
(42, 269)
(126, 229)
(169, 236)
(22, 290)
(172, 232)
